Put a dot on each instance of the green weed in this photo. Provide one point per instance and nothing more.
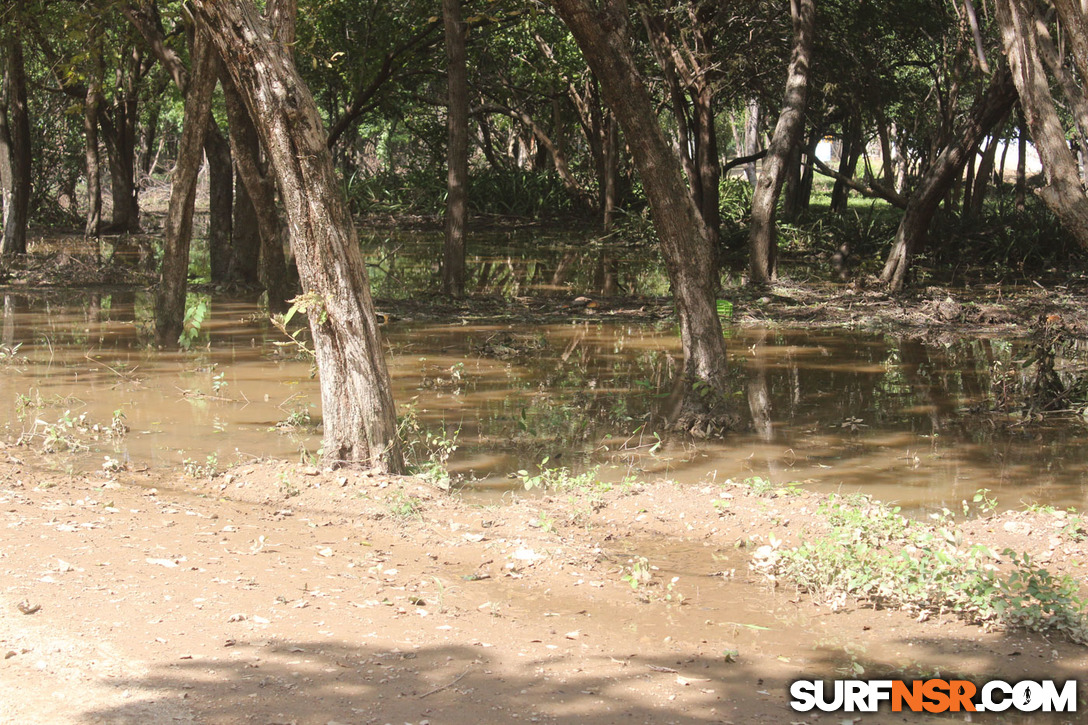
(872, 553)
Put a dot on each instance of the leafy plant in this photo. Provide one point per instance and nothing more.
(561, 479)
(196, 310)
(404, 506)
(872, 553)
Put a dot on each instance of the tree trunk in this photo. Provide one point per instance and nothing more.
(1020, 192)
(92, 106)
(852, 145)
(762, 242)
(453, 256)
(261, 191)
(15, 168)
(245, 238)
(357, 403)
(685, 242)
(220, 203)
(707, 163)
(178, 229)
(1063, 191)
(610, 170)
(983, 177)
(987, 112)
(751, 138)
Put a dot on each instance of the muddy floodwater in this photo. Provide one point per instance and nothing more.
(834, 411)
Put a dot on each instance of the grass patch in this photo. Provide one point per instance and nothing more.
(872, 554)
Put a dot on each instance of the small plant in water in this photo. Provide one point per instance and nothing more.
(427, 452)
(561, 479)
(9, 354)
(984, 500)
(637, 573)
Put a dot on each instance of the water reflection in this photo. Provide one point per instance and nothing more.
(887, 415)
(513, 263)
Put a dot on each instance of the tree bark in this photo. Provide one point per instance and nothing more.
(453, 255)
(986, 113)
(92, 105)
(1020, 192)
(261, 192)
(685, 242)
(762, 241)
(15, 168)
(358, 412)
(220, 203)
(852, 145)
(1063, 191)
(245, 238)
(178, 229)
(751, 138)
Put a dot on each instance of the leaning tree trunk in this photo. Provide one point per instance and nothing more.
(1063, 191)
(178, 229)
(987, 112)
(762, 243)
(15, 169)
(685, 243)
(357, 402)
(453, 258)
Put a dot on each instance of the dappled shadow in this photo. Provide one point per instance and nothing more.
(1010, 656)
(322, 682)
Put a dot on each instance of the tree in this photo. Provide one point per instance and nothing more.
(762, 242)
(453, 267)
(178, 229)
(601, 33)
(357, 403)
(1024, 32)
(15, 160)
(989, 109)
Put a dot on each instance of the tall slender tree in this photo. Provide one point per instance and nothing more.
(453, 258)
(762, 236)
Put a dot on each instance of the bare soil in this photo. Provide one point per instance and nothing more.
(281, 594)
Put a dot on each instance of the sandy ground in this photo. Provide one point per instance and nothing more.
(279, 594)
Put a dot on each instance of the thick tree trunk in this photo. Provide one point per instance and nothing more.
(1063, 191)
(685, 242)
(178, 229)
(15, 168)
(707, 163)
(762, 241)
(220, 203)
(987, 112)
(453, 256)
(246, 147)
(245, 238)
(357, 403)
(119, 133)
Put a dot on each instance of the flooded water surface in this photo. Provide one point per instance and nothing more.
(832, 410)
